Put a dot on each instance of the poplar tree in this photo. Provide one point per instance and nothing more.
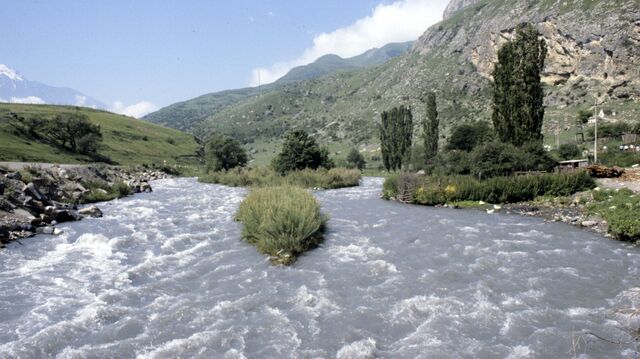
(518, 96)
(430, 128)
(396, 132)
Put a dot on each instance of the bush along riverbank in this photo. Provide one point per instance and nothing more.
(282, 222)
(570, 198)
(266, 176)
(33, 200)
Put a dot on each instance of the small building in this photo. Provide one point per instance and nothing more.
(572, 165)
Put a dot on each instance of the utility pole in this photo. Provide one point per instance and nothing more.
(595, 134)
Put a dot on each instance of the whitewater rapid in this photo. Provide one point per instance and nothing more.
(165, 275)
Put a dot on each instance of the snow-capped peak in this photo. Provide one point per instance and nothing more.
(10, 73)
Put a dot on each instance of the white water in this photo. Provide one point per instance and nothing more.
(165, 275)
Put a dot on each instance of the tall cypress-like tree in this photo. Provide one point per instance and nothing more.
(430, 125)
(396, 133)
(518, 96)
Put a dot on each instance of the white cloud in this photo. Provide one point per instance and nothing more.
(400, 21)
(81, 100)
(136, 110)
(28, 99)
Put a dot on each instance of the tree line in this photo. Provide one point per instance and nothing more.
(70, 130)
(517, 115)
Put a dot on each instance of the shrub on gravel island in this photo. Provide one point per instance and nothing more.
(282, 222)
(264, 176)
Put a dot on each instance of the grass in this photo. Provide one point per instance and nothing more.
(127, 141)
(619, 208)
(100, 191)
(282, 222)
(433, 191)
(265, 176)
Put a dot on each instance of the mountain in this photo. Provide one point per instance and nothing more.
(14, 88)
(329, 64)
(593, 47)
(188, 115)
(126, 141)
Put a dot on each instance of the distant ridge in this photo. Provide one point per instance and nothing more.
(189, 115)
(14, 88)
(329, 64)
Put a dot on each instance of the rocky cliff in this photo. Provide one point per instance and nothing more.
(592, 45)
(457, 5)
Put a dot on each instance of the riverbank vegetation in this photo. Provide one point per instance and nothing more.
(283, 222)
(265, 176)
(302, 162)
(619, 208)
(440, 190)
(100, 191)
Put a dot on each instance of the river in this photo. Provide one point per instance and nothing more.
(165, 275)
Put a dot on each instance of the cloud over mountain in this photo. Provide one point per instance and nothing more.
(400, 21)
(136, 110)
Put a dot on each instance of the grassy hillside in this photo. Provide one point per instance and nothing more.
(188, 115)
(126, 140)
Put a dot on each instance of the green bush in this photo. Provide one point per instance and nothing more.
(263, 176)
(613, 157)
(282, 222)
(467, 136)
(100, 191)
(614, 130)
(494, 159)
(569, 151)
(619, 208)
(355, 159)
(390, 187)
(300, 151)
(224, 153)
(438, 190)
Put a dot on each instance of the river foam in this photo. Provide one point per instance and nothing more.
(166, 275)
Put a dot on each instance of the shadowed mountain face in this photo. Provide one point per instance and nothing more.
(15, 88)
(592, 49)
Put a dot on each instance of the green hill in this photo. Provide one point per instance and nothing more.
(188, 115)
(593, 46)
(126, 140)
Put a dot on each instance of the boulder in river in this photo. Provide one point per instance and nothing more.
(48, 230)
(91, 211)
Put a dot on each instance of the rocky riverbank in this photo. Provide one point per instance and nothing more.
(34, 200)
(570, 210)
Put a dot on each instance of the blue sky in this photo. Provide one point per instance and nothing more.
(156, 53)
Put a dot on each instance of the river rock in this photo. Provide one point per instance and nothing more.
(67, 216)
(91, 211)
(19, 212)
(1, 188)
(31, 190)
(48, 230)
(14, 176)
(589, 223)
(145, 187)
(4, 234)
